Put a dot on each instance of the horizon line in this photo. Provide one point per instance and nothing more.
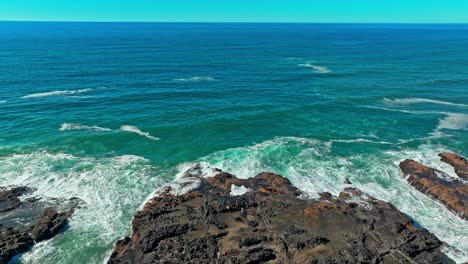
(231, 22)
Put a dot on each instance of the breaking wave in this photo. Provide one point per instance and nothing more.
(56, 93)
(136, 130)
(316, 68)
(420, 101)
(111, 188)
(67, 127)
(452, 121)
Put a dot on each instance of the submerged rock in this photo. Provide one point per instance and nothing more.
(452, 192)
(270, 223)
(26, 222)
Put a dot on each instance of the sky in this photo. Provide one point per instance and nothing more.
(322, 11)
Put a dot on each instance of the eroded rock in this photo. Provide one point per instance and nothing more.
(270, 224)
(452, 192)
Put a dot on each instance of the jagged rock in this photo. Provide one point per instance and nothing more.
(452, 192)
(459, 163)
(45, 222)
(270, 223)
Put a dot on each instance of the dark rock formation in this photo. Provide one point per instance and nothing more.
(452, 192)
(24, 223)
(459, 163)
(270, 223)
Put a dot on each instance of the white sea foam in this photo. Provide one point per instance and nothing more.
(136, 130)
(414, 112)
(195, 79)
(112, 188)
(238, 190)
(3, 101)
(56, 93)
(420, 101)
(68, 126)
(316, 68)
(364, 140)
(452, 121)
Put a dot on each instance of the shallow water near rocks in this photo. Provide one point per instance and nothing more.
(83, 105)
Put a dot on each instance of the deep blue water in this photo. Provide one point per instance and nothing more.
(313, 102)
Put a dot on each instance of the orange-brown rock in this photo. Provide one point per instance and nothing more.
(459, 163)
(452, 192)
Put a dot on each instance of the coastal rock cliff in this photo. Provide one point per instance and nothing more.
(265, 219)
(451, 191)
(26, 222)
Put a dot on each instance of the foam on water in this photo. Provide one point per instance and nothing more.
(3, 101)
(238, 190)
(136, 130)
(420, 101)
(111, 189)
(68, 126)
(56, 93)
(195, 79)
(311, 165)
(316, 68)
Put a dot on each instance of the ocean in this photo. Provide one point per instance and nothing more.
(110, 112)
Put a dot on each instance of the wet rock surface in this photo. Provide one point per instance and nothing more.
(459, 163)
(269, 223)
(24, 222)
(451, 191)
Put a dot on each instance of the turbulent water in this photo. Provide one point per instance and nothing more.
(110, 112)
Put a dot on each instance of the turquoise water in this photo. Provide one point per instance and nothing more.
(109, 112)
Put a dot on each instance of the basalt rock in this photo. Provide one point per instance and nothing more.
(28, 221)
(451, 191)
(270, 223)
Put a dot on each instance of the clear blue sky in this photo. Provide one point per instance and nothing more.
(400, 11)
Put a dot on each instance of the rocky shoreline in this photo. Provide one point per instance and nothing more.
(264, 219)
(23, 223)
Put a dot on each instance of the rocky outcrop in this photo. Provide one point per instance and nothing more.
(459, 163)
(26, 222)
(264, 220)
(451, 191)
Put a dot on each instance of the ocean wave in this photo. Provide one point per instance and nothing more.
(3, 101)
(316, 68)
(420, 101)
(414, 112)
(56, 93)
(364, 140)
(452, 121)
(112, 188)
(68, 127)
(136, 130)
(195, 79)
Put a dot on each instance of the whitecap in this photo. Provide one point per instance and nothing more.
(195, 79)
(68, 127)
(452, 121)
(414, 112)
(136, 130)
(3, 101)
(413, 100)
(316, 68)
(56, 93)
(364, 140)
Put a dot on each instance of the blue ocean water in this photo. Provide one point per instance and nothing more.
(109, 112)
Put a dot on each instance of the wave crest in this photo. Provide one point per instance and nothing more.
(56, 93)
(316, 68)
(68, 127)
(136, 130)
(195, 79)
(414, 100)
